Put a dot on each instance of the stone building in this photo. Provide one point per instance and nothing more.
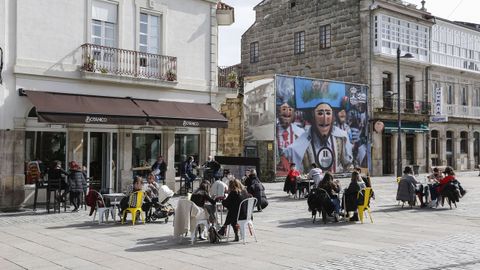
(111, 84)
(354, 42)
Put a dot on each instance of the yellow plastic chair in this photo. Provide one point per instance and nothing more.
(138, 196)
(361, 208)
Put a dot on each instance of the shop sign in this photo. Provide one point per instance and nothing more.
(187, 123)
(95, 119)
(437, 101)
(438, 118)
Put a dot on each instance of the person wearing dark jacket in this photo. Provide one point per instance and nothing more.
(159, 168)
(56, 179)
(351, 193)
(235, 196)
(77, 184)
(200, 197)
(332, 187)
(257, 190)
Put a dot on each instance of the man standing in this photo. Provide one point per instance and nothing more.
(323, 144)
(159, 169)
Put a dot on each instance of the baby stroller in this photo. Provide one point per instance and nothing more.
(319, 201)
(162, 209)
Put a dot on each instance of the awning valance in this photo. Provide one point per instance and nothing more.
(73, 108)
(407, 127)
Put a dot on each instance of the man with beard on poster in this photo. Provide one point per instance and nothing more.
(323, 144)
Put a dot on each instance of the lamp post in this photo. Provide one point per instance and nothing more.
(399, 130)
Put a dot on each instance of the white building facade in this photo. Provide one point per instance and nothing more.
(455, 80)
(110, 84)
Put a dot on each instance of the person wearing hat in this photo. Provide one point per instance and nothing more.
(77, 184)
(324, 143)
(287, 132)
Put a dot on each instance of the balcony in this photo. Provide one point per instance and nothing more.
(127, 63)
(406, 106)
(228, 77)
(461, 111)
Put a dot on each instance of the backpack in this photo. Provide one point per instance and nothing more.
(213, 235)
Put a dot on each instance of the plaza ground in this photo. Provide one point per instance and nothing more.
(287, 239)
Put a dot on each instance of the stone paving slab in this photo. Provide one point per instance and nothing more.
(287, 239)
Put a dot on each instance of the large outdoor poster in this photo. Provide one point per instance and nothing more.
(322, 122)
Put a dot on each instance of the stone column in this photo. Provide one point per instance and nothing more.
(393, 153)
(377, 154)
(124, 159)
(12, 162)
(420, 148)
(471, 157)
(169, 156)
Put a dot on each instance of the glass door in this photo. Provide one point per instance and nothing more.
(100, 152)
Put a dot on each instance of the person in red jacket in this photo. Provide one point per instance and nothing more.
(449, 177)
(290, 185)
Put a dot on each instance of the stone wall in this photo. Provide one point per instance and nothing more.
(274, 30)
(230, 140)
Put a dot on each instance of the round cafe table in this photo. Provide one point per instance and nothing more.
(115, 199)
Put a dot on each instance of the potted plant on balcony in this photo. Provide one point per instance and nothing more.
(232, 79)
(171, 75)
(89, 64)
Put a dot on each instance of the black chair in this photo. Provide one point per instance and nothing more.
(53, 185)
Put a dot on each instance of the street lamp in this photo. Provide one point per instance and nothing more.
(399, 138)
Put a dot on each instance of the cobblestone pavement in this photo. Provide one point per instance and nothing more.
(287, 239)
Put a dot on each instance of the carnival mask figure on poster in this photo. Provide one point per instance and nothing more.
(287, 131)
(324, 143)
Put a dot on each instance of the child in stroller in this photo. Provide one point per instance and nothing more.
(156, 203)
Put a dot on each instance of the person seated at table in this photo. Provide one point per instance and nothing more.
(137, 185)
(187, 171)
(245, 177)
(252, 176)
(151, 194)
(450, 178)
(351, 196)
(219, 189)
(227, 177)
(410, 180)
(236, 194)
(200, 197)
(56, 180)
(332, 187)
(290, 185)
(257, 190)
(315, 174)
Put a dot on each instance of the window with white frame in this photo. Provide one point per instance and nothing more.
(104, 24)
(149, 34)
(391, 33)
(455, 46)
(104, 33)
(450, 94)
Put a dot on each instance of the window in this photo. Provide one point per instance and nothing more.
(149, 39)
(464, 142)
(450, 94)
(254, 52)
(145, 148)
(464, 96)
(104, 24)
(325, 36)
(44, 147)
(409, 93)
(434, 147)
(186, 145)
(476, 97)
(386, 82)
(449, 148)
(299, 40)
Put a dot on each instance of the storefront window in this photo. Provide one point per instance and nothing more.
(185, 145)
(146, 148)
(44, 147)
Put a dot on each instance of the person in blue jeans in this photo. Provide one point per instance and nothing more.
(187, 171)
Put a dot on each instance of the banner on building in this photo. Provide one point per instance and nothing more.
(438, 106)
(322, 122)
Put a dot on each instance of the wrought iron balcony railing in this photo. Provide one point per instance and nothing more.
(406, 106)
(108, 60)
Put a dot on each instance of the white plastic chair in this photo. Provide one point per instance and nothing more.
(198, 222)
(102, 211)
(248, 222)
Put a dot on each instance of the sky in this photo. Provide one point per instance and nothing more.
(230, 36)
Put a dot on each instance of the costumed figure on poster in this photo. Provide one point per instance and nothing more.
(287, 131)
(358, 121)
(323, 144)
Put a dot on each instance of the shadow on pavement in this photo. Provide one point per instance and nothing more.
(89, 225)
(398, 208)
(307, 223)
(170, 242)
